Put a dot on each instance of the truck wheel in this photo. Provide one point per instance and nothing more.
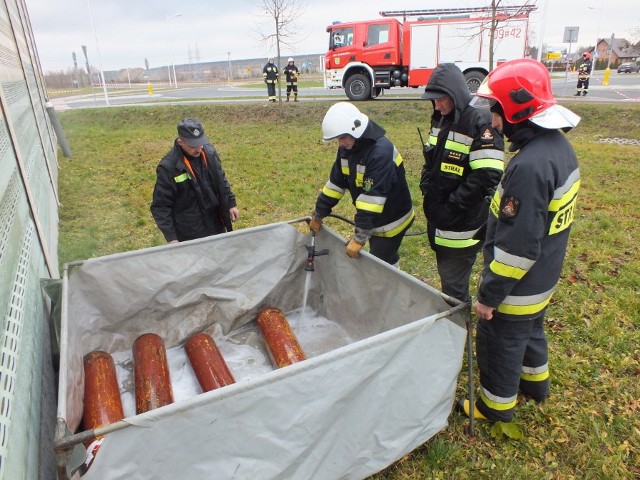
(358, 87)
(474, 79)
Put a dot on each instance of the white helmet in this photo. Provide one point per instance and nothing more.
(290, 59)
(343, 119)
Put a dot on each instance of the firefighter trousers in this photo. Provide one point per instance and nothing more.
(386, 248)
(454, 272)
(512, 355)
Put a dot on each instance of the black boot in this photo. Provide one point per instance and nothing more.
(584, 93)
(577, 94)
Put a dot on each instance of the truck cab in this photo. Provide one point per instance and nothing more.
(362, 56)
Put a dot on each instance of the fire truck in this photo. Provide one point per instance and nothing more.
(366, 58)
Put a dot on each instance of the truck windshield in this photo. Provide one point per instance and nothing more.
(341, 37)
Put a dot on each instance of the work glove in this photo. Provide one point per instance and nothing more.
(353, 248)
(315, 224)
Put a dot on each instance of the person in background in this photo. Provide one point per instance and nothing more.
(192, 197)
(371, 169)
(584, 74)
(291, 73)
(464, 160)
(531, 216)
(270, 74)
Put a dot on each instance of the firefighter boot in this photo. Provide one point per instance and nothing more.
(577, 94)
(295, 97)
(584, 93)
(463, 405)
(288, 95)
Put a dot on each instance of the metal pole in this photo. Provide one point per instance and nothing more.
(544, 22)
(175, 79)
(104, 84)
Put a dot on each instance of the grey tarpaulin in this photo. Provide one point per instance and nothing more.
(344, 414)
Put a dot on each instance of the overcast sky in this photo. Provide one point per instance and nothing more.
(128, 31)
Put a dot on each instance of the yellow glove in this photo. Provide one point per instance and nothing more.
(315, 225)
(353, 248)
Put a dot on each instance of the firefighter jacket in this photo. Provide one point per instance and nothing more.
(528, 228)
(191, 199)
(373, 172)
(291, 73)
(464, 160)
(270, 73)
(584, 70)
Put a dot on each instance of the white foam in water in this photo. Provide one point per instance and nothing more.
(243, 351)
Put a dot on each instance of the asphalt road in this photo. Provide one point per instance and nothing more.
(623, 87)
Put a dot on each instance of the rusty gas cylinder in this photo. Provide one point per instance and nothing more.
(282, 344)
(102, 401)
(151, 373)
(208, 364)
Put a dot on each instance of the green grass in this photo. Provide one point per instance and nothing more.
(277, 163)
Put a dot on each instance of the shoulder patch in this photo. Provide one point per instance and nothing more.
(509, 207)
(487, 135)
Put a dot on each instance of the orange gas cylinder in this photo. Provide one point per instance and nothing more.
(102, 402)
(151, 373)
(282, 344)
(208, 364)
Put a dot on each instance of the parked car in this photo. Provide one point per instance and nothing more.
(629, 67)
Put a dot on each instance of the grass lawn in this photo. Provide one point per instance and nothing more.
(277, 163)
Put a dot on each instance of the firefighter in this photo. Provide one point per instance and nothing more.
(192, 197)
(584, 74)
(371, 169)
(270, 74)
(291, 73)
(464, 160)
(530, 219)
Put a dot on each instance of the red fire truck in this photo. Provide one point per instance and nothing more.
(368, 57)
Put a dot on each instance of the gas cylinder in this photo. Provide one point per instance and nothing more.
(102, 402)
(151, 373)
(208, 364)
(281, 342)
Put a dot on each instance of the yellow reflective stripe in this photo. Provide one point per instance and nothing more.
(344, 164)
(496, 402)
(508, 265)
(360, 169)
(525, 305)
(181, 178)
(457, 147)
(535, 374)
(370, 203)
(397, 158)
(452, 168)
(447, 242)
(394, 228)
(333, 191)
(494, 207)
(558, 203)
(487, 163)
(506, 270)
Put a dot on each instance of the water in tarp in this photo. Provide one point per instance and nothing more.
(242, 349)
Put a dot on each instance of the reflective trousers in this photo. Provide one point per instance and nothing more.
(512, 356)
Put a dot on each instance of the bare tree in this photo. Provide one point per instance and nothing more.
(495, 21)
(281, 30)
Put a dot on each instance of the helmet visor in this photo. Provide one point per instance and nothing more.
(482, 102)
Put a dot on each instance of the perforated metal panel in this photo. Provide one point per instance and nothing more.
(28, 244)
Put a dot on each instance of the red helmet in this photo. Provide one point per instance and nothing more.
(522, 87)
(587, 55)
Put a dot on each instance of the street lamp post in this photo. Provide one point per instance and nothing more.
(169, 68)
(104, 84)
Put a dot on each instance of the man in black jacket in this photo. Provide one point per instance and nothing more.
(192, 197)
(464, 160)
